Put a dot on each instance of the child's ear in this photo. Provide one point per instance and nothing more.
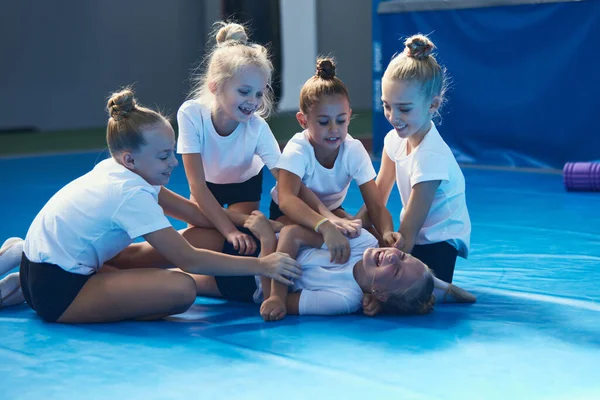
(127, 160)
(212, 86)
(301, 119)
(436, 102)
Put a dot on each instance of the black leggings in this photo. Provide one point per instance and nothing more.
(440, 257)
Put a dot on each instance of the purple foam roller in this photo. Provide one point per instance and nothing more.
(582, 176)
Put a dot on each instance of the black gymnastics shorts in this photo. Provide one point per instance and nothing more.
(238, 288)
(48, 288)
(232, 193)
(440, 257)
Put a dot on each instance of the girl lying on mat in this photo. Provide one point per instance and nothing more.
(400, 282)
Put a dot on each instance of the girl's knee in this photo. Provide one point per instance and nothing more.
(182, 291)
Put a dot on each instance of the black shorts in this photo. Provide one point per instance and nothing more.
(275, 212)
(231, 193)
(440, 257)
(239, 288)
(48, 288)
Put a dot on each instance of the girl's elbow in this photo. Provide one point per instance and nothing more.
(187, 259)
(285, 202)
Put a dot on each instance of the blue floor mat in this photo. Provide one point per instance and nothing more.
(533, 334)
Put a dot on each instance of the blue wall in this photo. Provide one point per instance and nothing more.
(525, 79)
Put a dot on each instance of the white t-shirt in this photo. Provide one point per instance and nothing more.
(226, 159)
(330, 185)
(448, 218)
(93, 218)
(328, 288)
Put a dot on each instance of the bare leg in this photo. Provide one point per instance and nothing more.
(445, 292)
(276, 306)
(285, 220)
(143, 255)
(131, 294)
(245, 207)
(206, 285)
(211, 240)
(10, 254)
(10, 291)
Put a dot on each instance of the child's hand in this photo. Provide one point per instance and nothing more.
(242, 243)
(259, 225)
(281, 267)
(351, 228)
(338, 244)
(273, 309)
(394, 239)
(371, 306)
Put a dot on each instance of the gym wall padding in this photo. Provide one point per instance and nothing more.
(524, 77)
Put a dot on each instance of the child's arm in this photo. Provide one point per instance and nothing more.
(211, 208)
(239, 219)
(348, 227)
(291, 238)
(291, 205)
(379, 214)
(419, 203)
(385, 182)
(179, 207)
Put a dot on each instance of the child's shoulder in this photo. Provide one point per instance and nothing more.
(299, 144)
(352, 142)
(112, 174)
(300, 139)
(392, 139)
(433, 142)
(193, 107)
(353, 145)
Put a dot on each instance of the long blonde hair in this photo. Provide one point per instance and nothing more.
(232, 52)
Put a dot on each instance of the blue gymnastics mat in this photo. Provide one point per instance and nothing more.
(533, 334)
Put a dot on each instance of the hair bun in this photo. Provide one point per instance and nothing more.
(231, 32)
(326, 68)
(419, 47)
(120, 104)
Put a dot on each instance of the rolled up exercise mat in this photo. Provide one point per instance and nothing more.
(582, 176)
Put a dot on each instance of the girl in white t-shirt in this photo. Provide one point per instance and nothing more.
(402, 283)
(224, 140)
(98, 215)
(434, 221)
(326, 159)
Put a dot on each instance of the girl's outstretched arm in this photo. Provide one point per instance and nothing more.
(385, 182)
(379, 214)
(419, 203)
